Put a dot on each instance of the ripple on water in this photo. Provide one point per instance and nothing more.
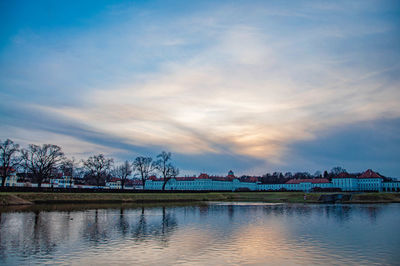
(215, 234)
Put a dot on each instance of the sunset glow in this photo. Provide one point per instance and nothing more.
(222, 85)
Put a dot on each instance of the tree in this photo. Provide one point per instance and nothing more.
(173, 172)
(317, 174)
(68, 167)
(144, 166)
(326, 175)
(8, 159)
(42, 161)
(98, 167)
(302, 175)
(337, 170)
(288, 175)
(165, 167)
(122, 171)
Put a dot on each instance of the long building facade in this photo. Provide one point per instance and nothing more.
(367, 181)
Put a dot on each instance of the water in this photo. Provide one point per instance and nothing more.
(206, 234)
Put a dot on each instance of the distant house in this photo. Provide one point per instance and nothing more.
(114, 183)
(137, 184)
(370, 181)
(11, 180)
(62, 181)
(346, 182)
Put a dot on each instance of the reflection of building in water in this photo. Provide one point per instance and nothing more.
(367, 181)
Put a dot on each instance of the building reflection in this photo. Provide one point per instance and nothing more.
(123, 224)
(27, 233)
(140, 229)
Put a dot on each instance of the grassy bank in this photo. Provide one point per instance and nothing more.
(375, 198)
(16, 198)
(41, 198)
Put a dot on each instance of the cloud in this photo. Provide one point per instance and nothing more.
(356, 147)
(210, 83)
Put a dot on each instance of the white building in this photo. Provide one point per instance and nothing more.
(62, 181)
(346, 182)
(298, 185)
(114, 183)
(367, 181)
(11, 180)
(370, 181)
(203, 182)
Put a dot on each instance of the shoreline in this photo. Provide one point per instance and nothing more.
(37, 198)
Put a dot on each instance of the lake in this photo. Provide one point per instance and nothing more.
(217, 233)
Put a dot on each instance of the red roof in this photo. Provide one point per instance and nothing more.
(250, 179)
(216, 178)
(220, 178)
(8, 168)
(343, 175)
(137, 182)
(114, 179)
(370, 174)
(186, 178)
(313, 181)
(154, 178)
(203, 176)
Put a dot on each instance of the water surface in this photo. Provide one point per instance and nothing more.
(216, 234)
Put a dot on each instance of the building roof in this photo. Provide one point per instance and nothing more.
(203, 176)
(313, 181)
(222, 178)
(370, 174)
(114, 179)
(231, 174)
(249, 179)
(8, 168)
(131, 182)
(185, 178)
(154, 178)
(343, 175)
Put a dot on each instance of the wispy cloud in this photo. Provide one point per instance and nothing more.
(215, 81)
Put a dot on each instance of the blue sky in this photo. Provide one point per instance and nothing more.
(253, 87)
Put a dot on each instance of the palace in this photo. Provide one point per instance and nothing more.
(367, 181)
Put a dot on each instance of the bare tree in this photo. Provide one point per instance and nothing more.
(98, 167)
(144, 166)
(317, 174)
(165, 167)
(68, 167)
(123, 171)
(42, 161)
(8, 159)
(337, 170)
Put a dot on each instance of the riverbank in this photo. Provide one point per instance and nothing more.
(17, 198)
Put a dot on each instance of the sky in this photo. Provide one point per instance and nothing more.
(252, 86)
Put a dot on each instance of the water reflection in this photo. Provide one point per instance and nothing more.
(217, 233)
(140, 230)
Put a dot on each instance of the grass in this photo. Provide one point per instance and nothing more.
(7, 198)
(290, 197)
(376, 197)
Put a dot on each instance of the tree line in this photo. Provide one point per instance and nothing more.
(44, 162)
(281, 178)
